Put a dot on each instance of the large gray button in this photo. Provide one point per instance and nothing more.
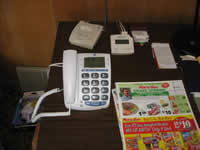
(85, 82)
(85, 75)
(104, 97)
(95, 82)
(86, 97)
(95, 75)
(95, 90)
(95, 97)
(104, 75)
(104, 82)
(104, 90)
(85, 90)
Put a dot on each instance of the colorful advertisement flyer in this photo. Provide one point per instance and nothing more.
(155, 116)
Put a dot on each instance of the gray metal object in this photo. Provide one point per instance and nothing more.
(33, 78)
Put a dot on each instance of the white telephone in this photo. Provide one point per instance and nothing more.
(85, 34)
(86, 81)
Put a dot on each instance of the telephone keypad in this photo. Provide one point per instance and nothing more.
(95, 87)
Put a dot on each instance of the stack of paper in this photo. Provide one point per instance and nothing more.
(163, 56)
(155, 116)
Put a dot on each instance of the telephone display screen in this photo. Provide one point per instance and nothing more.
(121, 41)
(94, 62)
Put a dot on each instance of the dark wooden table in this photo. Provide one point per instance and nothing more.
(98, 130)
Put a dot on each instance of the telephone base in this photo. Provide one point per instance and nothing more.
(89, 106)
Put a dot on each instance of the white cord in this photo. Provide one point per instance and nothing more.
(54, 65)
(53, 114)
(122, 27)
(41, 99)
(188, 57)
(35, 117)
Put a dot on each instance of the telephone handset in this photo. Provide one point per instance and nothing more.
(86, 82)
(69, 76)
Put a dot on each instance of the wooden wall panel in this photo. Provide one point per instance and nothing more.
(79, 9)
(177, 11)
(161, 11)
(28, 32)
(69, 10)
(131, 11)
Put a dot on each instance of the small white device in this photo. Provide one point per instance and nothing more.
(85, 34)
(140, 36)
(86, 81)
(122, 44)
